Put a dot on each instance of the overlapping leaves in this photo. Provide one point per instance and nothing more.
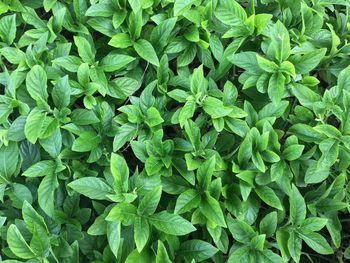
(174, 131)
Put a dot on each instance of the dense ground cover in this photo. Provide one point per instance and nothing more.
(174, 131)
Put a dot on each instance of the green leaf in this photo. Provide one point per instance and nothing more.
(312, 224)
(330, 151)
(113, 236)
(8, 159)
(124, 134)
(86, 142)
(282, 237)
(280, 44)
(246, 60)
(181, 6)
(149, 203)
(211, 209)
(17, 243)
(41, 168)
(293, 152)
(268, 224)
(316, 173)
(85, 50)
(307, 62)
(215, 108)
(294, 246)
(162, 254)
(124, 212)
(347, 253)
(305, 95)
(100, 9)
(92, 187)
(61, 93)
(240, 254)
(306, 133)
(269, 197)
(171, 224)
(120, 40)
(192, 34)
(266, 65)
(53, 144)
(46, 193)
(273, 109)
(32, 218)
(240, 230)
(34, 125)
(198, 250)
(187, 110)
(261, 21)
(141, 233)
(276, 87)
(258, 161)
(297, 206)
(146, 51)
(230, 13)
(205, 173)
(84, 117)
(8, 28)
(120, 172)
(153, 117)
(138, 257)
(153, 165)
(317, 242)
(186, 201)
(113, 62)
(344, 79)
(36, 82)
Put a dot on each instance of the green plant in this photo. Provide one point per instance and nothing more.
(174, 131)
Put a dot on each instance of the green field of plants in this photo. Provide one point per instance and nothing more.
(159, 131)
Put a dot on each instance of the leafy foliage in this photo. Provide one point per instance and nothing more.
(174, 131)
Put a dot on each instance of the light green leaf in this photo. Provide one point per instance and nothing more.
(307, 62)
(215, 107)
(41, 168)
(86, 142)
(146, 51)
(211, 209)
(8, 159)
(92, 187)
(186, 201)
(46, 193)
(17, 243)
(124, 134)
(34, 125)
(113, 62)
(181, 6)
(198, 250)
(171, 224)
(149, 202)
(240, 230)
(230, 13)
(141, 232)
(120, 40)
(269, 197)
(85, 50)
(297, 206)
(36, 83)
(162, 254)
(8, 28)
(317, 242)
(294, 246)
(276, 87)
(124, 212)
(120, 172)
